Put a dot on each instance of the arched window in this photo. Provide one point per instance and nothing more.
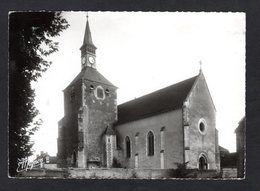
(128, 147)
(150, 143)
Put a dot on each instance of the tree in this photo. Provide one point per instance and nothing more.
(30, 41)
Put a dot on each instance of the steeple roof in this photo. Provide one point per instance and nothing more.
(90, 74)
(110, 130)
(87, 37)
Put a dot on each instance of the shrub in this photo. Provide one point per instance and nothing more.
(180, 172)
(134, 175)
(116, 164)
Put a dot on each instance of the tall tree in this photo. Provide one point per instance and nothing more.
(30, 41)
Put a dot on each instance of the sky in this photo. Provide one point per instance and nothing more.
(141, 52)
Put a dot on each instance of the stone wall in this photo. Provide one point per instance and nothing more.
(200, 107)
(50, 166)
(117, 173)
(48, 173)
(172, 146)
(68, 126)
(97, 115)
(229, 172)
(101, 113)
(240, 145)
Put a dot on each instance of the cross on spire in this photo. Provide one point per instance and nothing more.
(200, 62)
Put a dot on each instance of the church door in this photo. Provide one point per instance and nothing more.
(203, 163)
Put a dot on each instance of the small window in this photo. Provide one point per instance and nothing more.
(150, 145)
(128, 147)
(107, 91)
(91, 87)
(202, 126)
(100, 93)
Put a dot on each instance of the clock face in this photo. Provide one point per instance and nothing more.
(91, 59)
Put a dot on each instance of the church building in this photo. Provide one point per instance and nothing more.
(170, 126)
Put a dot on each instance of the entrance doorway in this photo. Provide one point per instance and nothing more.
(203, 165)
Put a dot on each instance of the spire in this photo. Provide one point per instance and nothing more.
(87, 37)
(88, 50)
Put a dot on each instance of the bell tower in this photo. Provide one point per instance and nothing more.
(90, 105)
(88, 50)
(98, 109)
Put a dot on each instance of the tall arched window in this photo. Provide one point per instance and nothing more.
(150, 143)
(128, 147)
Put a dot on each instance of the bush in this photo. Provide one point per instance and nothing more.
(134, 175)
(116, 164)
(180, 172)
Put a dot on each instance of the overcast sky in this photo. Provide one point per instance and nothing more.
(141, 52)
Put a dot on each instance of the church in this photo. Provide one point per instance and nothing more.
(173, 125)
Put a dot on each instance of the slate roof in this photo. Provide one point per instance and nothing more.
(110, 130)
(91, 74)
(163, 100)
(222, 149)
(87, 36)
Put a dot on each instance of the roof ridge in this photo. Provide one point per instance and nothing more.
(82, 74)
(162, 100)
(159, 90)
